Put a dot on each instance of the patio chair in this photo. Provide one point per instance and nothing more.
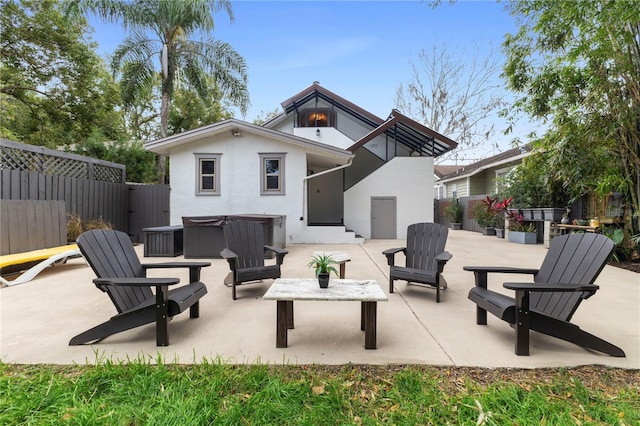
(245, 252)
(564, 279)
(425, 257)
(120, 274)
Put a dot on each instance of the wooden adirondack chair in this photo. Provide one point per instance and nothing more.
(564, 279)
(425, 257)
(245, 253)
(121, 275)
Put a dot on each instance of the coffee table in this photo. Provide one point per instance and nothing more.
(286, 290)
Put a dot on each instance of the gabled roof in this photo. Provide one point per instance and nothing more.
(233, 126)
(505, 157)
(416, 137)
(315, 90)
(413, 135)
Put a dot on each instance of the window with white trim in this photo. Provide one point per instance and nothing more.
(501, 179)
(207, 174)
(272, 174)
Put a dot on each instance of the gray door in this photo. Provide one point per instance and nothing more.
(383, 218)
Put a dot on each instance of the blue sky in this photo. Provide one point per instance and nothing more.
(358, 49)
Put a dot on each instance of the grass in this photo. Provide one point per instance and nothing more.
(211, 392)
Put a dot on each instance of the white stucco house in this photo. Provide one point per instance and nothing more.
(339, 173)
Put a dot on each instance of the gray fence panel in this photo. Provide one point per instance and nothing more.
(27, 225)
(468, 221)
(88, 199)
(90, 188)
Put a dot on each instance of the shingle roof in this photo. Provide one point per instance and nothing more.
(484, 163)
(442, 170)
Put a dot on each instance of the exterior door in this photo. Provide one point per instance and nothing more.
(383, 218)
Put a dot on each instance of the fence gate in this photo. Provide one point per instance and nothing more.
(148, 207)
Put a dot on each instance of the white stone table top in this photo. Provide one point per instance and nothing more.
(338, 256)
(339, 290)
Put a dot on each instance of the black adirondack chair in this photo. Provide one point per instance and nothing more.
(564, 279)
(121, 275)
(425, 257)
(245, 253)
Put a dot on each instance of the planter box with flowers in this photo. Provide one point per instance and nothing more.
(542, 213)
(519, 232)
(522, 237)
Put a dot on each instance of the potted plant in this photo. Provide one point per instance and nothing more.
(453, 212)
(322, 263)
(484, 214)
(500, 210)
(519, 231)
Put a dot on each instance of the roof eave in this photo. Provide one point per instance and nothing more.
(475, 171)
(162, 146)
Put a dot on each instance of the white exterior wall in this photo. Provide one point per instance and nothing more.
(240, 171)
(409, 179)
(328, 135)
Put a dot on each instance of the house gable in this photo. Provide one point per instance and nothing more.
(480, 177)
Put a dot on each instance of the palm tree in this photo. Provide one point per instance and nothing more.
(170, 52)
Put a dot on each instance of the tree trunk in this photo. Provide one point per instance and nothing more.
(164, 123)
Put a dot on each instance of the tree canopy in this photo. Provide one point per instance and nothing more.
(576, 64)
(165, 30)
(54, 88)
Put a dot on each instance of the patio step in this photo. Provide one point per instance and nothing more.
(332, 235)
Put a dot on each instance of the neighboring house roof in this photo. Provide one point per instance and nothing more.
(505, 157)
(441, 170)
(236, 127)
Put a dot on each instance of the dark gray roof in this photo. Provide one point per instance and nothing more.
(498, 158)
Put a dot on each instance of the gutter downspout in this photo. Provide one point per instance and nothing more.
(306, 178)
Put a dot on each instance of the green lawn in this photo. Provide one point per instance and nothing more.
(158, 393)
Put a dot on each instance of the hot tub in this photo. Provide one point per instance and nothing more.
(204, 236)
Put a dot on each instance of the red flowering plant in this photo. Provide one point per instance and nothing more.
(517, 224)
(500, 210)
(484, 212)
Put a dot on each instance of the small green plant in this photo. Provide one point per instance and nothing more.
(322, 263)
(617, 236)
(453, 212)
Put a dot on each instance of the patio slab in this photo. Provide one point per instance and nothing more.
(38, 318)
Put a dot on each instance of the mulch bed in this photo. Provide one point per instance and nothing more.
(630, 265)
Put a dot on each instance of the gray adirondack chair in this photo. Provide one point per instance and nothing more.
(425, 257)
(245, 252)
(564, 279)
(121, 275)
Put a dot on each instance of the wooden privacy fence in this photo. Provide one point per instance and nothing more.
(469, 222)
(89, 188)
(86, 198)
(27, 225)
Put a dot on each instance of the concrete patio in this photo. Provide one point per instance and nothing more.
(38, 318)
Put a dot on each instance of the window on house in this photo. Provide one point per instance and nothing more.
(317, 117)
(501, 179)
(207, 174)
(272, 176)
